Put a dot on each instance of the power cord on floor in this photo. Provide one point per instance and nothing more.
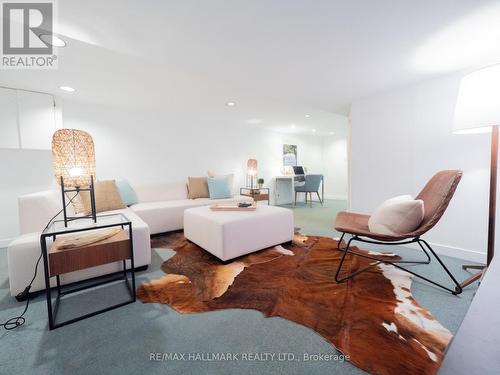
(18, 321)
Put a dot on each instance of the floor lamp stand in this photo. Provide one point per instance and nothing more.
(492, 210)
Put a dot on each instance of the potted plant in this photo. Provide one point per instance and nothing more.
(260, 182)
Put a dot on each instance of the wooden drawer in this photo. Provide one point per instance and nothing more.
(110, 250)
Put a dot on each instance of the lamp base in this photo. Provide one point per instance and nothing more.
(251, 181)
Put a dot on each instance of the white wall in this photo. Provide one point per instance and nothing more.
(28, 119)
(21, 172)
(400, 139)
(165, 146)
(335, 166)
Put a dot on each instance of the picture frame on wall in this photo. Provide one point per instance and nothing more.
(289, 155)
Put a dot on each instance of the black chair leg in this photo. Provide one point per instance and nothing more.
(338, 279)
(345, 251)
(458, 288)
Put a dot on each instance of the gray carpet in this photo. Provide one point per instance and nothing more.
(121, 341)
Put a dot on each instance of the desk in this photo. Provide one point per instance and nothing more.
(284, 189)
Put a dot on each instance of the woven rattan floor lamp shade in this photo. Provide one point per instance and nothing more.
(73, 158)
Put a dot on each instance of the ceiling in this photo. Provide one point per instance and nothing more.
(279, 60)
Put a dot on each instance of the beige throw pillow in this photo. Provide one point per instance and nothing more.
(397, 216)
(107, 197)
(197, 187)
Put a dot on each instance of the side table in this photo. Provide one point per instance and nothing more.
(117, 248)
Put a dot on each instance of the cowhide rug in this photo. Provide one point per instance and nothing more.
(373, 318)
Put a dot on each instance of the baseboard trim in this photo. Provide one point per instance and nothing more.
(456, 252)
(4, 242)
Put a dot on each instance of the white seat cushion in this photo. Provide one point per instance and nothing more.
(36, 209)
(230, 234)
(164, 216)
(397, 216)
(161, 192)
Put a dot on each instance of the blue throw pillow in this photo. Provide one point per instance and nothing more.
(218, 188)
(128, 195)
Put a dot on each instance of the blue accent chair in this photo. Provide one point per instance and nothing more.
(311, 185)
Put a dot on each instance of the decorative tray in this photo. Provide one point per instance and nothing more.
(232, 207)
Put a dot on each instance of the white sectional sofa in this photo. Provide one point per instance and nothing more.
(160, 209)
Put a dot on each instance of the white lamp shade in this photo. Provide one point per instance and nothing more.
(478, 102)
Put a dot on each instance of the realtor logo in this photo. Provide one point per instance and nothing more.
(22, 26)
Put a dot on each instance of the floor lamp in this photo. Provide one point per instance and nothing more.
(478, 110)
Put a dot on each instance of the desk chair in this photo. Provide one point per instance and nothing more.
(311, 185)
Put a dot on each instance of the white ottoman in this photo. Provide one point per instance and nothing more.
(230, 234)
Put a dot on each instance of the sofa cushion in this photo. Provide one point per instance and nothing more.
(36, 209)
(397, 216)
(230, 177)
(164, 216)
(161, 192)
(197, 187)
(219, 188)
(107, 197)
(128, 195)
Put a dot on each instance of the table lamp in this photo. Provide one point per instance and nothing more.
(251, 173)
(73, 159)
(478, 110)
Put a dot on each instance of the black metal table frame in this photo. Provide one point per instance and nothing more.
(396, 263)
(52, 312)
(268, 193)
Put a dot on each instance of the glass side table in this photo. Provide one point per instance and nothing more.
(117, 248)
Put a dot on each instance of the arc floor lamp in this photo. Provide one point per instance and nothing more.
(478, 110)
